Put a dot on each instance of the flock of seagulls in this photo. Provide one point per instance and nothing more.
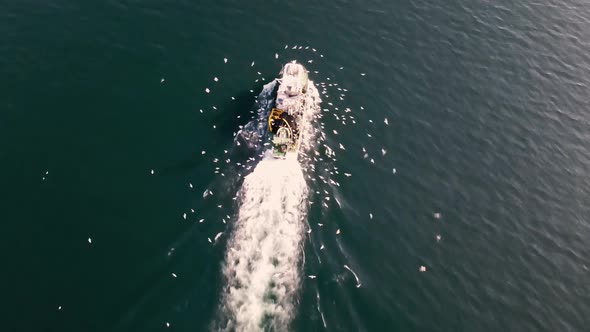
(344, 116)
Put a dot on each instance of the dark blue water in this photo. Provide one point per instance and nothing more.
(486, 124)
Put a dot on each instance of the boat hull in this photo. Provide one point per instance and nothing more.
(285, 119)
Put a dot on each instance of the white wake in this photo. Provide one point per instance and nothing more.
(263, 259)
(261, 267)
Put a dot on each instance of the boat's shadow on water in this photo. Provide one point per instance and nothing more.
(236, 130)
(204, 273)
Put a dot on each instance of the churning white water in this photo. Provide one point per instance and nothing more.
(263, 258)
(264, 252)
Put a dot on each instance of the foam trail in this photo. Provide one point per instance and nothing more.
(263, 257)
(319, 308)
(358, 282)
(262, 263)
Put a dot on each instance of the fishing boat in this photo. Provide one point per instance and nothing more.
(285, 119)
